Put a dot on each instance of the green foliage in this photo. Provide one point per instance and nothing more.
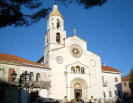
(131, 80)
(12, 11)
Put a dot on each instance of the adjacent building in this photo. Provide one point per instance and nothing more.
(38, 83)
(125, 84)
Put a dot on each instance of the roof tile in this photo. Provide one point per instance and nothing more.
(107, 68)
(13, 58)
(125, 78)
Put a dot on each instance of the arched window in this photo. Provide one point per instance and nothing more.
(31, 76)
(38, 77)
(82, 70)
(58, 23)
(58, 37)
(73, 69)
(77, 69)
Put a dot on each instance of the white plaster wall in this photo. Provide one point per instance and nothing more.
(36, 70)
(53, 19)
(58, 77)
(43, 93)
(111, 84)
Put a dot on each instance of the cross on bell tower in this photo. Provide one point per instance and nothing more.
(74, 32)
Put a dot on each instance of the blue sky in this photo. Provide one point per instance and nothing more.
(108, 31)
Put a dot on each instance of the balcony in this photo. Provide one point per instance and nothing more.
(40, 84)
(35, 84)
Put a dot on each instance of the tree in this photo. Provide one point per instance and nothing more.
(11, 11)
(131, 81)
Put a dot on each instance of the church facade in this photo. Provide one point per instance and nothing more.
(66, 71)
(75, 71)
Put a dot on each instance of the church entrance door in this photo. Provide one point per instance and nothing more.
(77, 94)
(79, 88)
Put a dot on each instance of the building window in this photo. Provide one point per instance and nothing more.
(73, 69)
(31, 76)
(110, 94)
(116, 92)
(82, 70)
(58, 23)
(103, 79)
(116, 79)
(58, 37)
(104, 94)
(125, 84)
(38, 77)
(77, 69)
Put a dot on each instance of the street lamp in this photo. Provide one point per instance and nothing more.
(23, 77)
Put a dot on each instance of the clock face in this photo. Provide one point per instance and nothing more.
(59, 59)
(92, 63)
(76, 50)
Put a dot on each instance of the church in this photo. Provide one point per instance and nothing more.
(75, 71)
(72, 70)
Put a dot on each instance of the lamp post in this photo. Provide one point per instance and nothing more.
(23, 77)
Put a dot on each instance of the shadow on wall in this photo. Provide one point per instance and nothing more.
(119, 90)
(10, 93)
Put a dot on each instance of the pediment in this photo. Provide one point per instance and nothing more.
(75, 37)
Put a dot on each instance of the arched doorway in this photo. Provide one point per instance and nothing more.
(77, 91)
(79, 88)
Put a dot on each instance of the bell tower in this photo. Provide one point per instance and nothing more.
(55, 36)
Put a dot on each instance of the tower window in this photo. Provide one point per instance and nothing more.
(58, 23)
(104, 94)
(58, 37)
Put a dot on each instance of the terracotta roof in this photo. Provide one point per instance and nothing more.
(107, 68)
(40, 59)
(55, 11)
(13, 58)
(125, 78)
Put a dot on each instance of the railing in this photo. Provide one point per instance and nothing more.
(40, 84)
(35, 84)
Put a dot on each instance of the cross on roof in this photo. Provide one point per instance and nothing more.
(74, 31)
